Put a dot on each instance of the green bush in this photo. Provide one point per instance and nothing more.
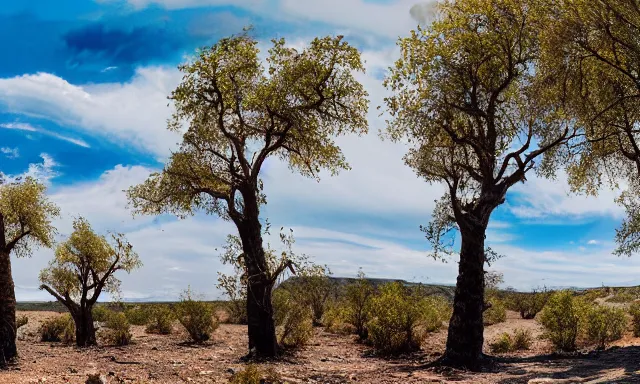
(436, 311)
(357, 300)
(561, 319)
(100, 313)
(604, 324)
(237, 311)
(622, 297)
(21, 321)
(160, 319)
(503, 344)
(293, 319)
(197, 317)
(397, 315)
(528, 305)
(252, 374)
(138, 315)
(634, 311)
(59, 328)
(495, 314)
(521, 340)
(118, 330)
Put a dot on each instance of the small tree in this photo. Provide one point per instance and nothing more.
(25, 222)
(357, 299)
(463, 98)
(84, 266)
(239, 113)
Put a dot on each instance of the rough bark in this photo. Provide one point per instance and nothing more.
(261, 327)
(85, 331)
(8, 329)
(465, 336)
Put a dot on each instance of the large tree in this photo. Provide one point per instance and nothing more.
(82, 268)
(25, 222)
(239, 113)
(590, 69)
(464, 100)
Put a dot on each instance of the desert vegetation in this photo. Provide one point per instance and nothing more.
(485, 95)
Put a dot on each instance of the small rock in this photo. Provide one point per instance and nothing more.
(96, 379)
(206, 372)
(324, 359)
(154, 348)
(73, 370)
(111, 373)
(231, 371)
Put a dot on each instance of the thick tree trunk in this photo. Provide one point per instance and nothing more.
(261, 327)
(465, 337)
(8, 350)
(85, 331)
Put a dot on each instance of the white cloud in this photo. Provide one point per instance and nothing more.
(540, 198)
(134, 113)
(593, 242)
(31, 128)
(389, 19)
(11, 153)
(43, 171)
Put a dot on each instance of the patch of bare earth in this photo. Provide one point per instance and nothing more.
(328, 359)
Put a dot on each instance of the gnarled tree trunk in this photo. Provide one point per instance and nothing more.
(85, 331)
(8, 350)
(261, 327)
(465, 337)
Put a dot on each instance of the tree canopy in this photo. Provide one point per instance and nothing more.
(239, 112)
(590, 70)
(84, 266)
(26, 216)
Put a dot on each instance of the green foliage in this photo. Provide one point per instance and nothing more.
(634, 311)
(561, 318)
(58, 329)
(293, 319)
(100, 313)
(27, 216)
(290, 107)
(495, 314)
(528, 305)
(160, 319)
(314, 289)
(118, 329)
(84, 266)
(357, 300)
(520, 340)
(197, 317)
(503, 344)
(21, 321)
(252, 374)
(138, 315)
(624, 295)
(604, 324)
(399, 318)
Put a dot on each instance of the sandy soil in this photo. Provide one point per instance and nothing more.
(330, 359)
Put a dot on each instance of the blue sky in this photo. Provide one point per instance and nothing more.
(83, 88)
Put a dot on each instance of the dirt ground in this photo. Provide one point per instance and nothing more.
(330, 359)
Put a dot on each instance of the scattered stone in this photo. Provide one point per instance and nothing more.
(96, 378)
(73, 370)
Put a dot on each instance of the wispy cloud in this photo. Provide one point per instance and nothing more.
(593, 242)
(31, 128)
(11, 153)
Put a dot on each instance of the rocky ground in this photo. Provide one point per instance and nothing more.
(329, 359)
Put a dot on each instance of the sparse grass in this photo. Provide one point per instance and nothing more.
(253, 374)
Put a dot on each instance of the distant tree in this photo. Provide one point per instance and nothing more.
(83, 267)
(25, 222)
(239, 113)
(463, 98)
(590, 71)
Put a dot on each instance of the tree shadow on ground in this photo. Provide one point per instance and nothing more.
(616, 365)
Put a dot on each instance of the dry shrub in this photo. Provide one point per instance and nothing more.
(160, 320)
(138, 315)
(397, 314)
(58, 329)
(604, 324)
(237, 311)
(561, 318)
(118, 330)
(253, 374)
(100, 313)
(495, 314)
(634, 311)
(21, 321)
(528, 305)
(197, 317)
(520, 340)
(293, 319)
